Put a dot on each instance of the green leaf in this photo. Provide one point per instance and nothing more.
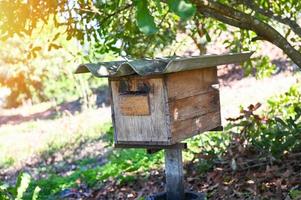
(158, 5)
(36, 193)
(145, 20)
(208, 38)
(182, 8)
(22, 185)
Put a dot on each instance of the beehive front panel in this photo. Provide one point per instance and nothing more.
(193, 102)
(140, 107)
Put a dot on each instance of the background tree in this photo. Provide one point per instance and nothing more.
(34, 72)
(136, 28)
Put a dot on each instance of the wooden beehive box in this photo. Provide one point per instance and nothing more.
(163, 101)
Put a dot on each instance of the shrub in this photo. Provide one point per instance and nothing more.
(277, 131)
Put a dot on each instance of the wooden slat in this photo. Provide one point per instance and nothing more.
(145, 143)
(134, 105)
(152, 146)
(194, 106)
(190, 127)
(190, 83)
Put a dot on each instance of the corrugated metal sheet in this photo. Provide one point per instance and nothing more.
(146, 67)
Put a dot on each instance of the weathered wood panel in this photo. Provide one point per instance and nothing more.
(174, 174)
(151, 129)
(190, 83)
(193, 103)
(190, 107)
(134, 105)
(190, 127)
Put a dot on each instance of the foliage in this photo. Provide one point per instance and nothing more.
(277, 131)
(209, 144)
(181, 8)
(138, 28)
(206, 148)
(25, 75)
(18, 191)
(122, 165)
(145, 21)
(38, 69)
(241, 40)
(295, 194)
(260, 66)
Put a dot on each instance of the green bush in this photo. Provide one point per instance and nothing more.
(277, 131)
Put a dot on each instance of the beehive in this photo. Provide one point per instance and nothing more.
(163, 101)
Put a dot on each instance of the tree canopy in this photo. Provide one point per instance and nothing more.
(137, 27)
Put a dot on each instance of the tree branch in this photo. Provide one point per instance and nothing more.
(223, 18)
(268, 13)
(200, 33)
(242, 20)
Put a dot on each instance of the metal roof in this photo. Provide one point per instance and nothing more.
(146, 67)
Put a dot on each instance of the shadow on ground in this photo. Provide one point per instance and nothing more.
(102, 99)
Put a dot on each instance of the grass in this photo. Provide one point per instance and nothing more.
(123, 165)
(18, 143)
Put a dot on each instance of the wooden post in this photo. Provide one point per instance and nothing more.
(174, 174)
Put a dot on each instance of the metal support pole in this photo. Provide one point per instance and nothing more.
(174, 174)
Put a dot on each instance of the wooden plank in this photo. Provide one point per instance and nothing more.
(190, 107)
(112, 108)
(134, 105)
(174, 174)
(148, 129)
(190, 83)
(136, 144)
(184, 64)
(152, 146)
(187, 128)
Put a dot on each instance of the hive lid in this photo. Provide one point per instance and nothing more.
(144, 67)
